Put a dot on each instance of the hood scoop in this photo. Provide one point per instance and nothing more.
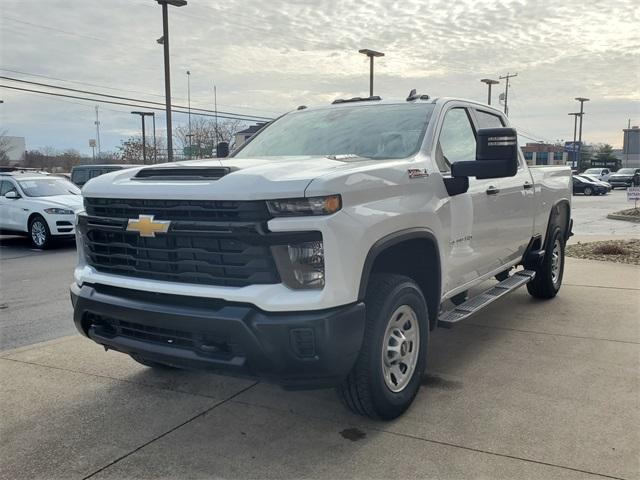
(182, 173)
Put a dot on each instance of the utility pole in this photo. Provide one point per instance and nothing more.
(155, 145)
(189, 109)
(506, 91)
(97, 122)
(167, 70)
(371, 54)
(489, 82)
(581, 100)
(573, 145)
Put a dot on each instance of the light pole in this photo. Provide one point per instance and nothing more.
(144, 138)
(167, 76)
(581, 100)
(189, 108)
(489, 82)
(155, 146)
(371, 54)
(215, 109)
(575, 130)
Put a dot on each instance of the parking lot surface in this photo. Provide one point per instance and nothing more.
(525, 389)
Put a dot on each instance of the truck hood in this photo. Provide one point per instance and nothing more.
(249, 179)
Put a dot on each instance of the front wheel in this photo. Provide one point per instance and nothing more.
(588, 191)
(549, 274)
(387, 374)
(39, 233)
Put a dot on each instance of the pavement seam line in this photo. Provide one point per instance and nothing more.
(600, 286)
(550, 334)
(140, 384)
(437, 442)
(171, 430)
(34, 346)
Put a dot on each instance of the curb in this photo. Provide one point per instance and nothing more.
(626, 218)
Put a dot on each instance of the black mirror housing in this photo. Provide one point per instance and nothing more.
(222, 150)
(496, 155)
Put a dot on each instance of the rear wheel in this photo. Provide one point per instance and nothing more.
(548, 277)
(387, 374)
(588, 191)
(39, 232)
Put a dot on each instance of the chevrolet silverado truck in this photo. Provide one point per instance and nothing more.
(324, 251)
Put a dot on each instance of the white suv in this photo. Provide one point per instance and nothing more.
(38, 205)
(601, 173)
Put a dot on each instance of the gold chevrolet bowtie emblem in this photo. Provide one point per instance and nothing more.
(146, 226)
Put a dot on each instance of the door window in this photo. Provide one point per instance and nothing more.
(457, 140)
(5, 187)
(488, 120)
(80, 176)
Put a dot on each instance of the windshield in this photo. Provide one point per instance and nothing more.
(372, 131)
(626, 171)
(48, 187)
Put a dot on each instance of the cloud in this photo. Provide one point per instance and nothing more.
(269, 57)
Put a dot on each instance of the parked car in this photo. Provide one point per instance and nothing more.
(37, 205)
(595, 179)
(599, 173)
(81, 174)
(587, 187)
(623, 177)
(325, 250)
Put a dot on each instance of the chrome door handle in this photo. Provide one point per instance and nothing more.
(527, 185)
(493, 190)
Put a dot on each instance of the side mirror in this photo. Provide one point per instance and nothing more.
(222, 150)
(496, 155)
(12, 195)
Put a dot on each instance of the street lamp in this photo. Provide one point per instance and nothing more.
(167, 79)
(371, 54)
(581, 100)
(489, 82)
(189, 108)
(144, 138)
(573, 148)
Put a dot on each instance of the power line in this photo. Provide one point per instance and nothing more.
(129, 99)
(118, 89)
(97, 100)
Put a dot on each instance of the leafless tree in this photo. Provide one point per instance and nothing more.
(130, 150)
(205, 134)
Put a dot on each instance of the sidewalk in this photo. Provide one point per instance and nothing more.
(526, 389)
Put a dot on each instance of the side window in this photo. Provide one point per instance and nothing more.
(6, 186)
(488, 120)
(80, 176)
(457, 140)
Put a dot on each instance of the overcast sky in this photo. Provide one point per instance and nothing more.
(267, 57)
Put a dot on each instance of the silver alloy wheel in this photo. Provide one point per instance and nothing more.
(556, 262)
(38, 233)
(400, 348)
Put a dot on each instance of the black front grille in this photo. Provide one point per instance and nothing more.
(208, 242)
(203, 344)
(200, 210)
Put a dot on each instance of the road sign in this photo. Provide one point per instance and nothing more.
(633, 194)
(92, 142)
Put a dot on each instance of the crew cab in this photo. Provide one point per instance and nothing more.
(325, 250)
(39, 206)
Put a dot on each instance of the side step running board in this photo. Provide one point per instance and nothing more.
(473, 305)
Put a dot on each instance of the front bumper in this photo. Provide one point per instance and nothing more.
(61, 225)
(620, 182)
(295, 349)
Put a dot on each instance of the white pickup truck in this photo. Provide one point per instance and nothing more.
(323, 251)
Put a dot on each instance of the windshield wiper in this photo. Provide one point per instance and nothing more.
(347, 156)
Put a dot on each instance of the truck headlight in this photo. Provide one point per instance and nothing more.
(296, 207)
(58, 211)
(301, 265)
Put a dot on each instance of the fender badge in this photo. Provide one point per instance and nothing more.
(417, 172)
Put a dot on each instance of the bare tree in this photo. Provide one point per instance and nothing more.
(206, 135)
(130, 150)
(4, 148)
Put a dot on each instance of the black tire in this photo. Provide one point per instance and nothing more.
(548, 279)
(365, 389)
(588, 191)
(39, 233)
(150, 363)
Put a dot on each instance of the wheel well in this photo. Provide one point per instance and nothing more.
(560, 216)
(31, 217)
(416, 258)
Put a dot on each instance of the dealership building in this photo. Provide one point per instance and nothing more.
(631, 147)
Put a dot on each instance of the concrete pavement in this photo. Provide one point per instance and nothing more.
(526, 389)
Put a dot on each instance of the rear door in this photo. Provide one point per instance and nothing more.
(514, 200)
(11, 211)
